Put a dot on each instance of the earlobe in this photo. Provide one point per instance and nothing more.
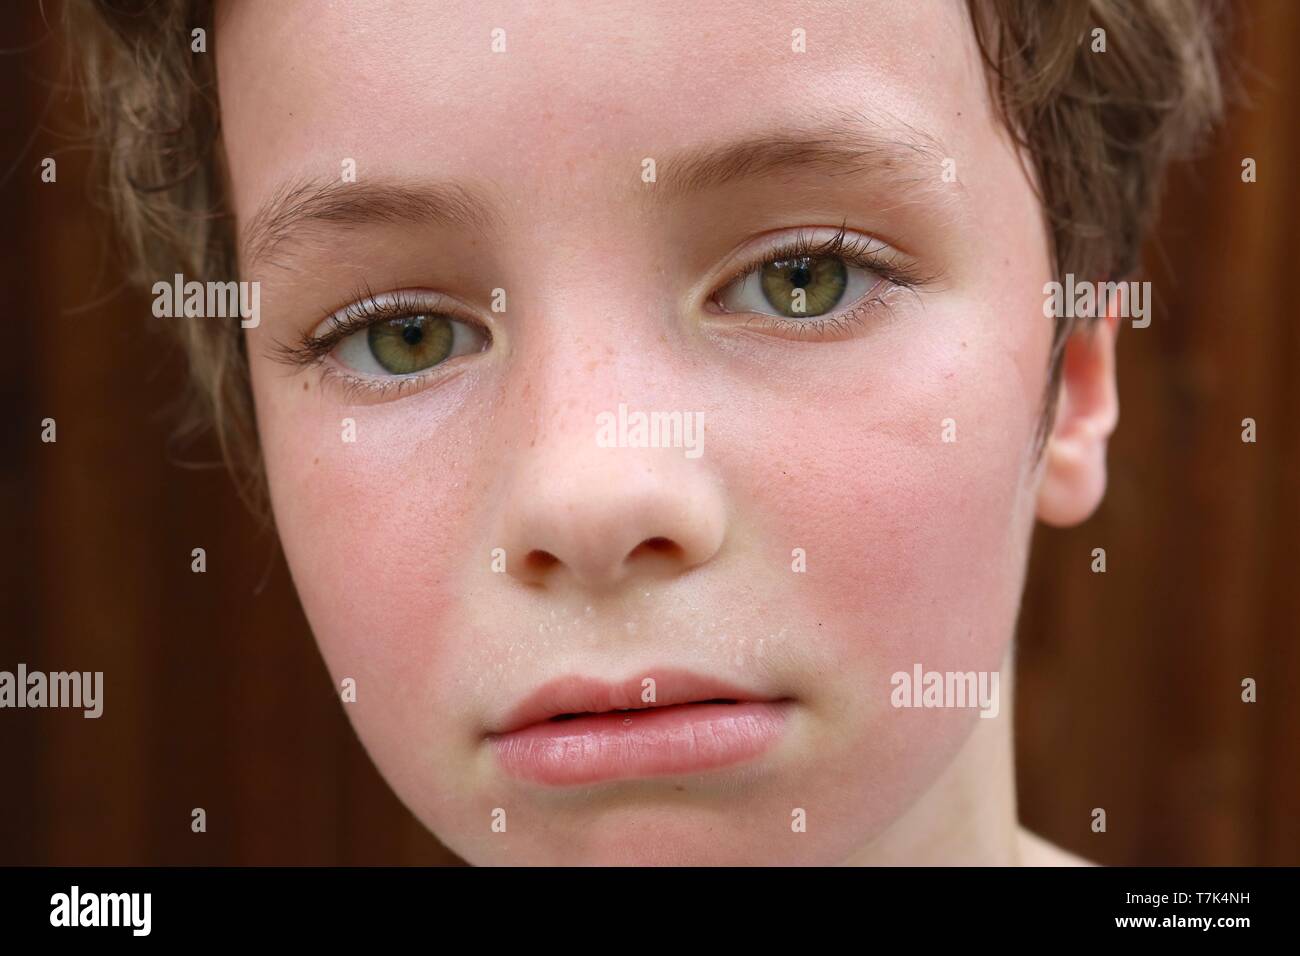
(1074, 469)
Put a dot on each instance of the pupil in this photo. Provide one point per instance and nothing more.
(801, 275)
(412, 335)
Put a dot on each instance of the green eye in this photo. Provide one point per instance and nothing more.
(814, 287)
(412, 343)
(806, 286)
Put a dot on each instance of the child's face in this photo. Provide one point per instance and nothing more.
(823, 439)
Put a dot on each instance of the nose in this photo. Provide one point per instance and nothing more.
(601, 518)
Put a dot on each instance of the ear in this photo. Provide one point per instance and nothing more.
(1074, 471)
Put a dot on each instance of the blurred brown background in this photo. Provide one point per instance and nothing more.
(1128, 682)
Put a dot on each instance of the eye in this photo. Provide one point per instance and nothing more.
(408, 344)
(390, 337)
(814, 286)
(803, 287)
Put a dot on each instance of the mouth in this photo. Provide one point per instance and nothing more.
(581, 730)
(630, 710)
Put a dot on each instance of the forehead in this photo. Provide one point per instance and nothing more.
(543, 97)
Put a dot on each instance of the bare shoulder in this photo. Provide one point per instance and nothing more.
(1035, 851)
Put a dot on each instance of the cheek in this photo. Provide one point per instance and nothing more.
(372, 533)
(915, 544)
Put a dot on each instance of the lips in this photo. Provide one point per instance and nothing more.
(569, 698)
(582, 731)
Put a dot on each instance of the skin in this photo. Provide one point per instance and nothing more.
(915, 546)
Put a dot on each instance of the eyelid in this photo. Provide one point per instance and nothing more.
(843, 243)
(895, 269)
(832, 326)
(369, 308)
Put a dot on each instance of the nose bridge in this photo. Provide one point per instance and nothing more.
(585, 346)
(608, 479)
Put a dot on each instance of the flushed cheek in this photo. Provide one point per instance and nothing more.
(914, 553)
(374, 535)
(912, 543)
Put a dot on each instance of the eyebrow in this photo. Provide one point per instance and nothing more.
(846, 144)
(303, 202)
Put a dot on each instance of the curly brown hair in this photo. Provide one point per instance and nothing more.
(1098, 131)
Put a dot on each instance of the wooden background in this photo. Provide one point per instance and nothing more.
(1128, 682)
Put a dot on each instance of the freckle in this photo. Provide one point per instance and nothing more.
(963, 345)
(305, 386)
(315, 461)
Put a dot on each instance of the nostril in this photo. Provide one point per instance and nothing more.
(540, 560)
(662, 546)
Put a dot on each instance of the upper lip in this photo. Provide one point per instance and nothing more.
(582, 695)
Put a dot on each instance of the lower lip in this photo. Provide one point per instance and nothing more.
(653, 742)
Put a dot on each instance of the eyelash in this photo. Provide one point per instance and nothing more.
(852, 250)
(367, 309)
